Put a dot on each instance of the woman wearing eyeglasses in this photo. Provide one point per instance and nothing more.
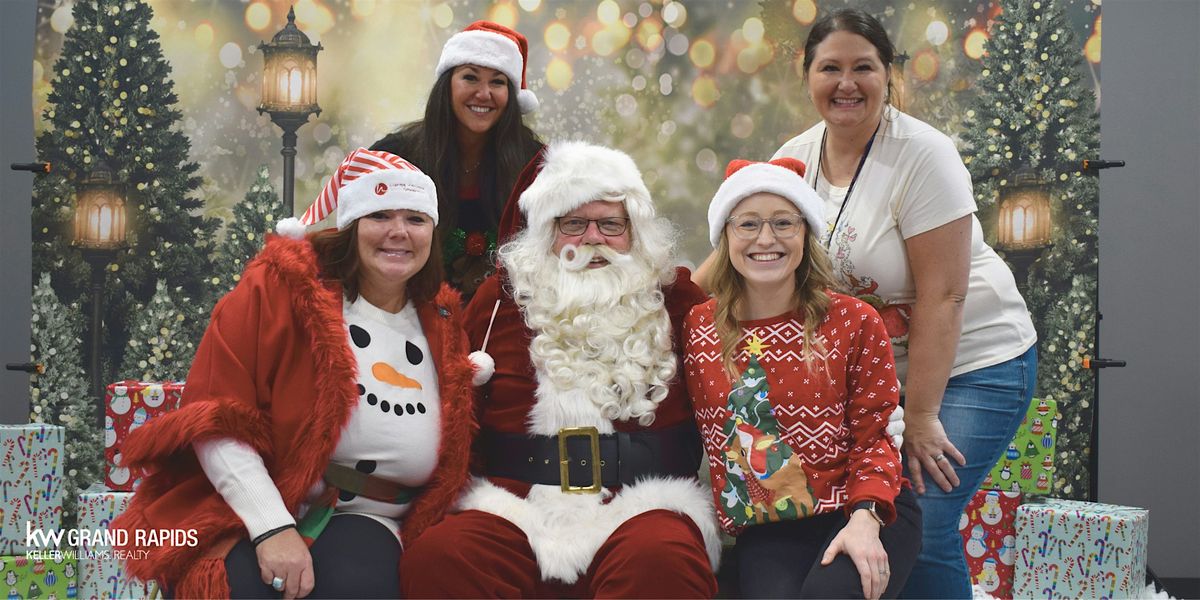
(792, 385)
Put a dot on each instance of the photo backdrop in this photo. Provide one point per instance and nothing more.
(164, 92)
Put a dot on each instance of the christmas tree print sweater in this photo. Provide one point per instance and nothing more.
(785, 441)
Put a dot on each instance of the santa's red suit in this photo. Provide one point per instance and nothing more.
(650, 529)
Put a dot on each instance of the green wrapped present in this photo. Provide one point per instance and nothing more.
(1028, 464)
(51, 577)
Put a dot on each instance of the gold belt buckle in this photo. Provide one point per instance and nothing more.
(564, 460)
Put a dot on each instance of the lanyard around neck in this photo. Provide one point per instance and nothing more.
(845, 200)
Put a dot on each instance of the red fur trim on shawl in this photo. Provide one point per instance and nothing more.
(147, 447)
(319, 310)
(442, 324)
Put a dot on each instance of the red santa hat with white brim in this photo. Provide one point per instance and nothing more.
(366, 182)
(494, 46)
(783, 177)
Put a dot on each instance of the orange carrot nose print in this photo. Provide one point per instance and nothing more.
(385, 373)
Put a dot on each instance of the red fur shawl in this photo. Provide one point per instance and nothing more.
(274, 370)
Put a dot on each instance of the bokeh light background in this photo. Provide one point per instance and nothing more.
(682, 86)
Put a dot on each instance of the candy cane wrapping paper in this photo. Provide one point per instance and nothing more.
(127, 406)
(101, 575)
(30, 482)
(1072, 549)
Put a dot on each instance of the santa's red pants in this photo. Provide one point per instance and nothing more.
(657, 554)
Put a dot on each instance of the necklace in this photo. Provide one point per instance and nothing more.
(469, 170)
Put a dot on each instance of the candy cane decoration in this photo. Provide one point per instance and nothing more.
(49, 479)
(116, 582)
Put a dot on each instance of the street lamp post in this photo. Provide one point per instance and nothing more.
(1024, 225)
(99, 235)
(289, 92)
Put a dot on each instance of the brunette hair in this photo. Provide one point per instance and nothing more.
(814, 279)
(337, 259)
(431, 145)
(853, 20)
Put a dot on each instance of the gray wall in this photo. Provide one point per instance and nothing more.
(16, 145)
(1149, 279)
(1149, 245)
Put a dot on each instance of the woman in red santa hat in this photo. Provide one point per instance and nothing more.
(328, 410)
(793, 385)
(473, 143)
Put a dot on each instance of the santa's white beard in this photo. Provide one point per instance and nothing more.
(602, 333)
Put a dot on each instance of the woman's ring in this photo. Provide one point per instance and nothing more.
(939, 458)
(883, 572)
(277, 584)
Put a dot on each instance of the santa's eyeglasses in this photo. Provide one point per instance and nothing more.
(608, 226)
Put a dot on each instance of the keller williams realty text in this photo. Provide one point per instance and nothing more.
(53, 538)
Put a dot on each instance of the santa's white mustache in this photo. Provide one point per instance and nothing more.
(577, 258)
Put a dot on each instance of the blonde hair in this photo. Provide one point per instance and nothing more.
(814, 279)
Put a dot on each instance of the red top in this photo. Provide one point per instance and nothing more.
(832, 417)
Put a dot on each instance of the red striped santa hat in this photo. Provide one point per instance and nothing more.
(494, 46)
(366, 182)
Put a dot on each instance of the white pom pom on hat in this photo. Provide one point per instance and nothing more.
(494, 46)
(367, 181)
(783, 177)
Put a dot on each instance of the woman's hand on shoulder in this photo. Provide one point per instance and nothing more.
(928, 452)
(859, 540)
(285, 555)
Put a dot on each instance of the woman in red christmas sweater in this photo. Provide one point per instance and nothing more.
(328, 411)
(793, 385)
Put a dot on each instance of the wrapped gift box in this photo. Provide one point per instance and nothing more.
(31, 477)
(989, 540)
(1027, 465)
(22, 577)
(101, 571)
(1072, 549)
(128, 405)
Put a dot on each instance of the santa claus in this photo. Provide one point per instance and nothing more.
(588, 454)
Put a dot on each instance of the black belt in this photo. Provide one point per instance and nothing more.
(582, 454)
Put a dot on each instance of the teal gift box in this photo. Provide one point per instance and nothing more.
(1072, 549)
(53, 577)
(1027, 466)
(101, 571)
(30, 483)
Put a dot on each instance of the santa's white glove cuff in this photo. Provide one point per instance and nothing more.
(485, 365)
(895, 426)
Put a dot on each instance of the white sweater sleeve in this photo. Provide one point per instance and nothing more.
(237, 472)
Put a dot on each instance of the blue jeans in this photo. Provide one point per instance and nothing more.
(981, 411)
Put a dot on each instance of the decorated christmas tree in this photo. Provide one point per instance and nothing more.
(61, 394)
(112, 101)
(1035, 112)
(163, 337)
(244, 236)
(756, 459)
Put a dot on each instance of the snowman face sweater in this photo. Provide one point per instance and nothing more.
(786, 441)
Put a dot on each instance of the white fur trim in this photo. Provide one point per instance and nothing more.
(386, 189)
(527, 101)
(575, 173)
(764, 177)
(486, 49)
(291, 227)
(566, 530)
(485, 366)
